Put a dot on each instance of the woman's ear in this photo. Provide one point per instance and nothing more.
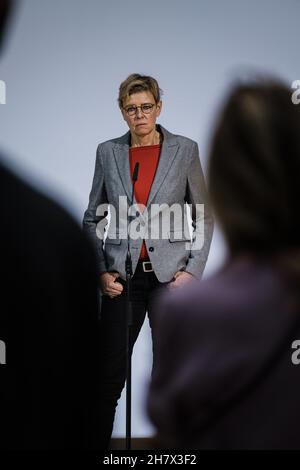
(123, 113)
(158, 108)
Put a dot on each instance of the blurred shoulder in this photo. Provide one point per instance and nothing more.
(242, 291)
(36, 213)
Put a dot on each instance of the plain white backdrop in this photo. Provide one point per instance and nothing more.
(62, 67)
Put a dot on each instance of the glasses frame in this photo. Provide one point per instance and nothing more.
(137, 107)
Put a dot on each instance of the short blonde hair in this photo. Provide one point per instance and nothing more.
(136, 83)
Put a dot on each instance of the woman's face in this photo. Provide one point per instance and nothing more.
(141, 123)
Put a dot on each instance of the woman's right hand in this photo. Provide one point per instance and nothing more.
(109, 286)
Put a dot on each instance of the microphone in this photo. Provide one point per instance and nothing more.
(135, 175)
(129, 320)
(128, 257)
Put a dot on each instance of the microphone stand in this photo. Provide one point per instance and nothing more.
(129, 321)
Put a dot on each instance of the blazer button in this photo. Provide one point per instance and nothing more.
(151, 248)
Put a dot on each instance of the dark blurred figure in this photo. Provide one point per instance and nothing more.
(48, 322)
(225, 378)
(5, 10)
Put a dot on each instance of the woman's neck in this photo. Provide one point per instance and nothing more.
(150, 139)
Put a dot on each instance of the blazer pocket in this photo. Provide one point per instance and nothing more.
(178, 236)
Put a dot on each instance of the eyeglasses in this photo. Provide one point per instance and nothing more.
(146, 108)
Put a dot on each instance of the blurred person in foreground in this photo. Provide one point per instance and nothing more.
(225, 377)
(49, 388)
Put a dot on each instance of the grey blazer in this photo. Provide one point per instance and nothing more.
(178, 180)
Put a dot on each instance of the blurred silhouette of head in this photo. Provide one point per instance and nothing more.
(254, 170)
(5, 8)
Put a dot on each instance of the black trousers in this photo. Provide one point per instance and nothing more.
(145, 291)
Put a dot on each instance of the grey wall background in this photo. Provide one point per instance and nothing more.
(63, 65)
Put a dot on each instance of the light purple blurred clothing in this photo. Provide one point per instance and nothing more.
(224, 377)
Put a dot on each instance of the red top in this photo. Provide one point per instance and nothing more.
(148, 157)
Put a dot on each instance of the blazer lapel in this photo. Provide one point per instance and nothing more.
(167, 155)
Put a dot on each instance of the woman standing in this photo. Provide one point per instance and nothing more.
(169, 174)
